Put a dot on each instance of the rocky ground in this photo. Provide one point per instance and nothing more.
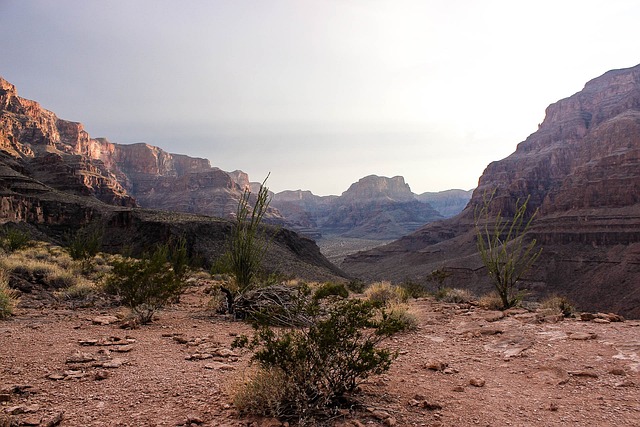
(463, 366)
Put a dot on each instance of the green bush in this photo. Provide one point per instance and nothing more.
(313, 367)
(327, 289)
(149, 283)
(413, 289)
(14, 239)
(85, 243)
(357, 286)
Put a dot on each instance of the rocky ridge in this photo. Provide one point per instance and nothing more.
(375, 207)
(582, 171)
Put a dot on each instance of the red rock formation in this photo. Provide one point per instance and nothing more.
(582, 170)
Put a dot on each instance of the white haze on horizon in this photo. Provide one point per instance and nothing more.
(318, 92)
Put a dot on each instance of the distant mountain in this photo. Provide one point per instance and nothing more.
(581, 169)
(375, 207)
(448, 203)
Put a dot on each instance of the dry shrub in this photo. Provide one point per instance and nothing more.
(269, 393)
(386, 294)
(454, 295)
(557, 304)
(8, 297)
(402, 314)
(490, 301)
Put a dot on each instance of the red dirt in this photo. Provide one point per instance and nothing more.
(525, 373)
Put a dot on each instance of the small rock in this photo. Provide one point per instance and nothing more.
(431, 406)
(79, 357)
(583, 336)
(626, 383)
(587, 374)
(553, 407)
(614, 317)
(436, 365)
(492, 316)
(458, 389)
(617, 371)
(122, 348)
(225, 352)
(30, 421)
(104, 320)
(5, 397)
(450, 371)
(88, 342)
(56, 377)
(219, 366)
(101, 375)
(194, 419)
(587, 317)
(54, 421)
(390, 422)
(477, 382)
(380, 414)
(180, 340)
(112, 364)
(199, 356)
(598, 320)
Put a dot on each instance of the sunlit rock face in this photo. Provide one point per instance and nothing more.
(581, 169)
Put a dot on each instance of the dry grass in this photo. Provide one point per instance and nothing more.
(386, 293)
(8, 297)
(268, 393)
(490, 301)
(454, 295)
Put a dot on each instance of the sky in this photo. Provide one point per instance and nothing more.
(318, 93)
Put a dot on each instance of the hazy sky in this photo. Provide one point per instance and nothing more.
(319, 93)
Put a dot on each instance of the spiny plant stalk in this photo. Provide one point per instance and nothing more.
(247, 245)
(502, 247)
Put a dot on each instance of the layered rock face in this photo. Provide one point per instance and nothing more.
(56, 152)
(375, 207)
(581, 169)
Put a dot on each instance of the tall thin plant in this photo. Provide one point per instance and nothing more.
(247, 244)
(503, 248)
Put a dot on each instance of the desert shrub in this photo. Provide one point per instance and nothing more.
(490, 301)
(558, 305)
(402, 315)
(330, 288)
(454, 295)
(314, 366)
(247, 245)
(46, 272)
(413, 289)
(503, 249)
(385, 293)
(8, 297)
(439, 276)
(357, 286)
(148, 284)
(81, 294)
(85, 243)
(14, 239)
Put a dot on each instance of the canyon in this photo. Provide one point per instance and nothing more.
(581, 170)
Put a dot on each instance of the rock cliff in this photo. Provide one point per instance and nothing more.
(57, 178)
(375, 207)
(582, 171)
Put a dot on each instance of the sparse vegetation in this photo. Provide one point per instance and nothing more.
(501, 244)
(357, 286)
(85, 244)
(439, 276)
(327, 289)
(8, 297)
(385, 293)
(413, 289)
(490, 301)
(558, 305)
(247, 244)
(14, 239)
(149, 283)
(454, 295)
(303, 371)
